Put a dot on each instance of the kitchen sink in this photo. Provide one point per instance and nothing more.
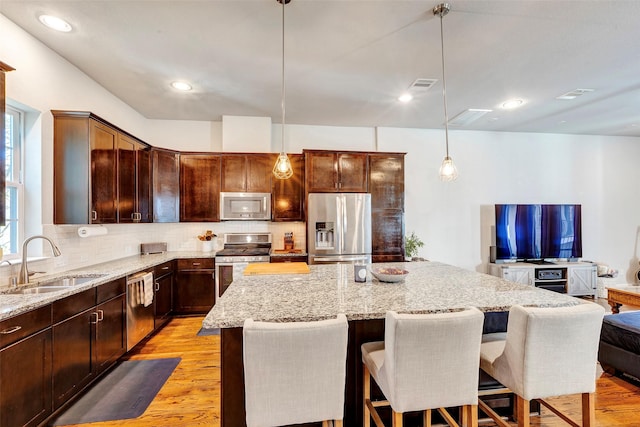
(55, 285)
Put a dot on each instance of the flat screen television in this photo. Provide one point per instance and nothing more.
(538, 232)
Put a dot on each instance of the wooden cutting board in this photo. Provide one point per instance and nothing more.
(276, 268)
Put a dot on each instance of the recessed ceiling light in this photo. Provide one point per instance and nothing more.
(405, 97)
(574, 94)
(55, 23)
(512, 103)
(183, 86)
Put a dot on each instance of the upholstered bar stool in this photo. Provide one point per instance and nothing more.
(546, 352)
(295, 372)
(427, 361)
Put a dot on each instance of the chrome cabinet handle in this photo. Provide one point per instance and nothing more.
(96, 320)
(11, 330)
(164, 268)
(94, 215)
(195, 263)
(157, 287)
(100, 315)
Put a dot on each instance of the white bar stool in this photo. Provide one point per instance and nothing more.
(546, 352)
(427, 361)
(295, 372)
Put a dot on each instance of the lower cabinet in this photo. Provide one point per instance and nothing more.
(25, 385)
(163, 298)
(194, 288)
(89, 335)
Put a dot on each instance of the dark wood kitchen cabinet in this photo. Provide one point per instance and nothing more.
(336, 172)
(288, 194)
(246, 173)
(199, 187)
(89, 335)
(25, 368)
(134, 180)
(163, 297)
(386, 185)
(101, 173)
(194, 289)
(165, 184)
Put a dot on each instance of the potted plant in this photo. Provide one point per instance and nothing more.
(411, 245)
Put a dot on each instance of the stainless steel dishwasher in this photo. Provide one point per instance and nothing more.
(140, 318)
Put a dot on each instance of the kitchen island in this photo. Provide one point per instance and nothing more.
(430, 287)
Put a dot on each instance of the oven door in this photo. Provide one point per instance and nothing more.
(224, 275)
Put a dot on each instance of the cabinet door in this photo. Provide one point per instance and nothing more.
(352, 169)
(386, 181)
(233, 176)
(519, 275)
(166, 186)
(143, 184)
(322, 173)
(387, 235)
(163, 299)
(126, 179)
(25, 385)
(72, 355)
(199, 187)
(194, 291)
(259, 172)
(582, 281)
(104, 143)
(288, 194)
(110, 333)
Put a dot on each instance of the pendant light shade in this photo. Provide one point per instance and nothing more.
(282, 169)
(448, 170)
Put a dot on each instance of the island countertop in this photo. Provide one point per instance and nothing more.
(330, 289)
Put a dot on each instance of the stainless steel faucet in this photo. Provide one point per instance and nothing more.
(24, 272)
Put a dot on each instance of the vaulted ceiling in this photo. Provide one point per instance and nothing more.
(347, 61)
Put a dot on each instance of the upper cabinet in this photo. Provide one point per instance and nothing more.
(246, 173)
(386, 185)
(134, 180)
(101, 174)
(336, 172)
(165, 184)
(199, 187)
(288, 194)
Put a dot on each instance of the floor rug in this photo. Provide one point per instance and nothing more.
(124, 393)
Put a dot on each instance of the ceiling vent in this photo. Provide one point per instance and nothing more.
(574, 94)
(468, 116)
(423, 83)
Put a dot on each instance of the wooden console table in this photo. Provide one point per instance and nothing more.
(623, 294)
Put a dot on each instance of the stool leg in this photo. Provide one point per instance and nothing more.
(366, 387)
(397, 418)
(522, 411)
(588, 410)
(426, 415)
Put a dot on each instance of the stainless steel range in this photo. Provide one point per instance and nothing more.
(239, 250)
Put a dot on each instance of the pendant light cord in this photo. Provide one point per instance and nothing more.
(443, 12)
(283, 84)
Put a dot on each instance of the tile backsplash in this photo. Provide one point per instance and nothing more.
(123, 240)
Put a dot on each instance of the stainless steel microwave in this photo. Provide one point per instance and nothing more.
(245, 206)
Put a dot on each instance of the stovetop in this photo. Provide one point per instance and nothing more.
(245, 247)
(236, 251)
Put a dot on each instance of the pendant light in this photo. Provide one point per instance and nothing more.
(282, 169)
(448, 170)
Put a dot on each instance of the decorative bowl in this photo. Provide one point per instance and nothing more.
(389, 274)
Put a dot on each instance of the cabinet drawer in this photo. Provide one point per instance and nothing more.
(164, 268)
(25, 324)
(110, 290)
(74, 304)
(195, 263)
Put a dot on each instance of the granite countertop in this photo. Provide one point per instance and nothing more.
(330, 289)
(13, 304)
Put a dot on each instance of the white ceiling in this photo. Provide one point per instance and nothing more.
(348, 60)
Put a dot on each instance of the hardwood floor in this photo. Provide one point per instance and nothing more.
(191, 396)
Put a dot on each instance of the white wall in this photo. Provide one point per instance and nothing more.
(454, 219)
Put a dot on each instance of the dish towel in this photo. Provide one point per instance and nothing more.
(147, 289)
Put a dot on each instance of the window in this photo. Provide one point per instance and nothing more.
(11, 232)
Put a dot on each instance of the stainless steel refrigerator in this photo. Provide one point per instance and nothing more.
(339, 228)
